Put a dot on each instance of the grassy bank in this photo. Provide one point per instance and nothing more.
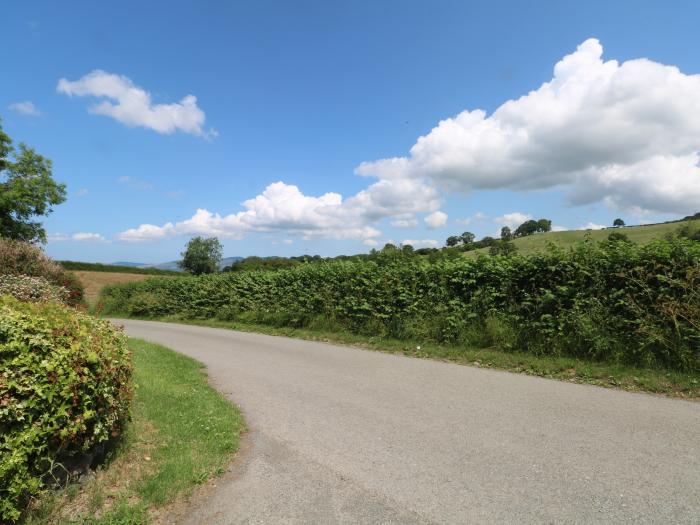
(182, 433)
(671, 383)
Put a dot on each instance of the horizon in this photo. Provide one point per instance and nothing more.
(331, 129)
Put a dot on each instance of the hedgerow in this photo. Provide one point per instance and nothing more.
(22, 258)
(64, 391)
(610, 301)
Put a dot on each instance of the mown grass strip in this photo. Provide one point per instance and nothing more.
(182, 433)
(610, 375)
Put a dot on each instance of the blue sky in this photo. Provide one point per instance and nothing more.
(302, 93)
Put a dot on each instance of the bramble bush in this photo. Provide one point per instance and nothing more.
(22, 258)
(609, 301)
(64, 392)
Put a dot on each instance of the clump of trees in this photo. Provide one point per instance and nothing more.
(27, 191)
(618, 223)
(531, 227)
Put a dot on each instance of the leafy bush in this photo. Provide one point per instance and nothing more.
(21, 258)
(612, 301)
(26, 288)
(64, 390)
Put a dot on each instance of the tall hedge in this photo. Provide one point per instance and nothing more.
(64, 389)
(612, 301)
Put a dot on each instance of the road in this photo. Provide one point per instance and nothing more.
(344, 435)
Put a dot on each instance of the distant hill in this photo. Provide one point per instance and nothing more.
(166, 268)
(172, 265)
(129, 264)
(637, 234)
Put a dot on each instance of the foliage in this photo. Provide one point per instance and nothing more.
(530, 227)
(690, 231)
(64, 390)
(618, 222)
(33, 289)
(615, 302)
(201, 255)
(506, 233)
(115, 268)
(261, 263)
(503, 247)
(27, 190)
(618, 237)
(22, 258)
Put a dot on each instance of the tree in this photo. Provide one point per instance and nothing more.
(618, 237)
(618, 222)
(467, 237)
(503, 248)
(453, 240)
(544, 225)
(27, 191)
(201, 255)
(527, 228)
(506, 234)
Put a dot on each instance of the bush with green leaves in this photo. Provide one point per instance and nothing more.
(26, 288)
(610, 301)
(22, 258)
(64, 391)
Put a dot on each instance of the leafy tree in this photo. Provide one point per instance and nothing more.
(407, 249)
(544, 225)
(526, 228)
(27, 191)
(506, 234)
(467, 237)
(453, 240)
(201, 255)
(503, 247)
(618, 222)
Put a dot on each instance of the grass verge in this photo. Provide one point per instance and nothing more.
(182, 433)
(666, 382)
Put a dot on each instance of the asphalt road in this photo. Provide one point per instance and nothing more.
(343, 435)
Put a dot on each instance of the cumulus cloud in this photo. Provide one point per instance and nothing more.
(132, 105)
(405, 221)
(421, 243)
(25, 108)
(437, 219)
(627, 134)
(80, 237)
(512, 220)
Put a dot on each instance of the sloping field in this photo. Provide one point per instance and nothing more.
(636, 234)
(95, 281)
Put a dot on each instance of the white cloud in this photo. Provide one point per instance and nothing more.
(140, 185)
(624, 133)
(132, 105)
(82, 192)
(556, 228)
(592, 226)
(370, 242)
(405, 221)
(25, 108)
(422, 243)
(512, 220)
(478, 216)
(79, 237)
(437, 219)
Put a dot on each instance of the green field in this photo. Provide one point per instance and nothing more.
(114, 268)
(637, 234)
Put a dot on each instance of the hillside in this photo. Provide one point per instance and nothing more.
(637, 234)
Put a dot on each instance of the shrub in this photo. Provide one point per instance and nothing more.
(21, 258)
(26, 288)
(611, 301)
(64, 391)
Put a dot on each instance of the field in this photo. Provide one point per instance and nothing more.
(95, 281)
(636, 234)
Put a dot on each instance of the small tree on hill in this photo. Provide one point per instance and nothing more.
(453, 240)
(506, 234)
(544, 225)
(201, 255)
(618, 222)
(467, 237)
(27, 190)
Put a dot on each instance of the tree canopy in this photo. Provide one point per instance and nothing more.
(27, 191)
(201, 255)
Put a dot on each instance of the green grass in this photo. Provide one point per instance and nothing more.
(183, 432)
(671, 383)
(636, 234)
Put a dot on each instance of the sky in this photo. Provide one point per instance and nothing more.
(332, 127)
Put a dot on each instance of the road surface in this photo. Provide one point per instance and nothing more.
(343, 435)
